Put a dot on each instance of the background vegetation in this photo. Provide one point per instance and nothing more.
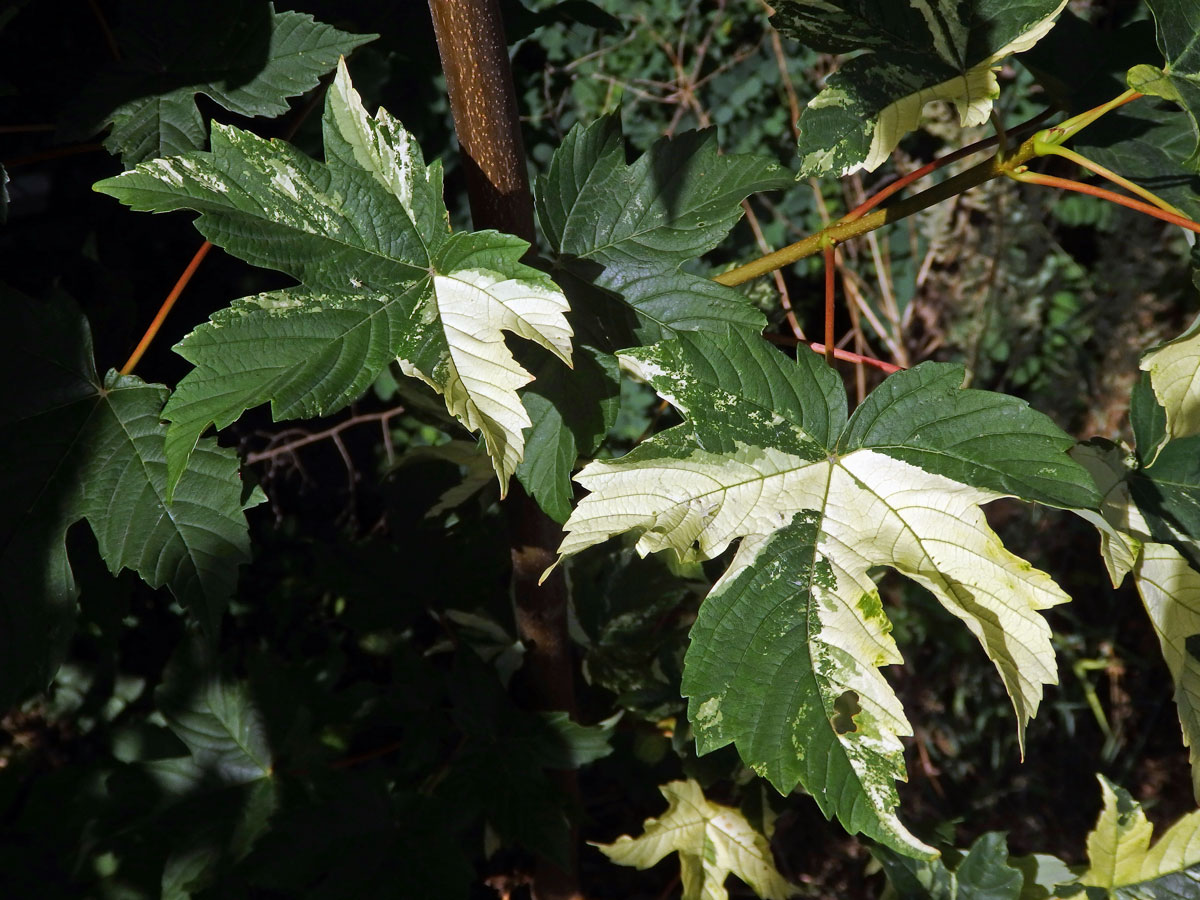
(372, 631)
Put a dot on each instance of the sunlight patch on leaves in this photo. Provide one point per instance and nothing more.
(766, 445)
(1170, 590)
(1142, 532)
(712, 841)
(915, 53)
(382, 278)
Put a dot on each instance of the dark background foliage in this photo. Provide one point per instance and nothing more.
(372, 643)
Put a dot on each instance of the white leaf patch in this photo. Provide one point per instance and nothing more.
(479, 377)
(712, 841)
(972, 94)
(875, 510)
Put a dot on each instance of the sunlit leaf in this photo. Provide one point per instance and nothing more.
(1175, 376)
(784, 655)
(1123, 864)
(712, 841)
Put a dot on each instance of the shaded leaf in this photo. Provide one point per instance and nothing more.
(571, 412)
(627, 228)
(983, 873)
(712, 841)
(75, 447)
(1177, 23)
(217, 720)
(1148, 143)
(244, 56)
(914, 53)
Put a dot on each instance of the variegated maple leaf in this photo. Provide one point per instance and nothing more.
(913, 53)
(381, 275)
(785, 652)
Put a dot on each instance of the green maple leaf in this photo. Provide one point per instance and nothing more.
(712, 841)
(382, 279)
(244, 56)
(1123, 864)
(74, 446)
(914, 53)
(982, 873)
(785, 651)
(1177, 23)
(627, 228)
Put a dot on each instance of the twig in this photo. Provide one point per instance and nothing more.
(332, 432)
(105, 30)
(161, 316)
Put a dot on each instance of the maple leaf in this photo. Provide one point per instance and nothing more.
(1121, 862)
(246, 57)
(98, 454)
(382, 279)
(712, 841)
(785, 651)
(914, 53)
(1176, 24)
(1174, 369)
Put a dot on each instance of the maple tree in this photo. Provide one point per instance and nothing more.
(526, 342)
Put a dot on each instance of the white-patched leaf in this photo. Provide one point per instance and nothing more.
(382, 279)
(915, 53)
(1121, 526)
(712, 841)
(478, 376)
(767, 444)
(876, 511)
(1175, 376)
(1145, 523)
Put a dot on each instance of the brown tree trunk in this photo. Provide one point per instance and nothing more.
(470, 38)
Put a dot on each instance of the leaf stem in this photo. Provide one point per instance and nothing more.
(1080, 160)
(845, 228)
(152, 331)
(861, 220)
(849, 356)
(829, 273)
(1068, 129)
(1066, 184)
